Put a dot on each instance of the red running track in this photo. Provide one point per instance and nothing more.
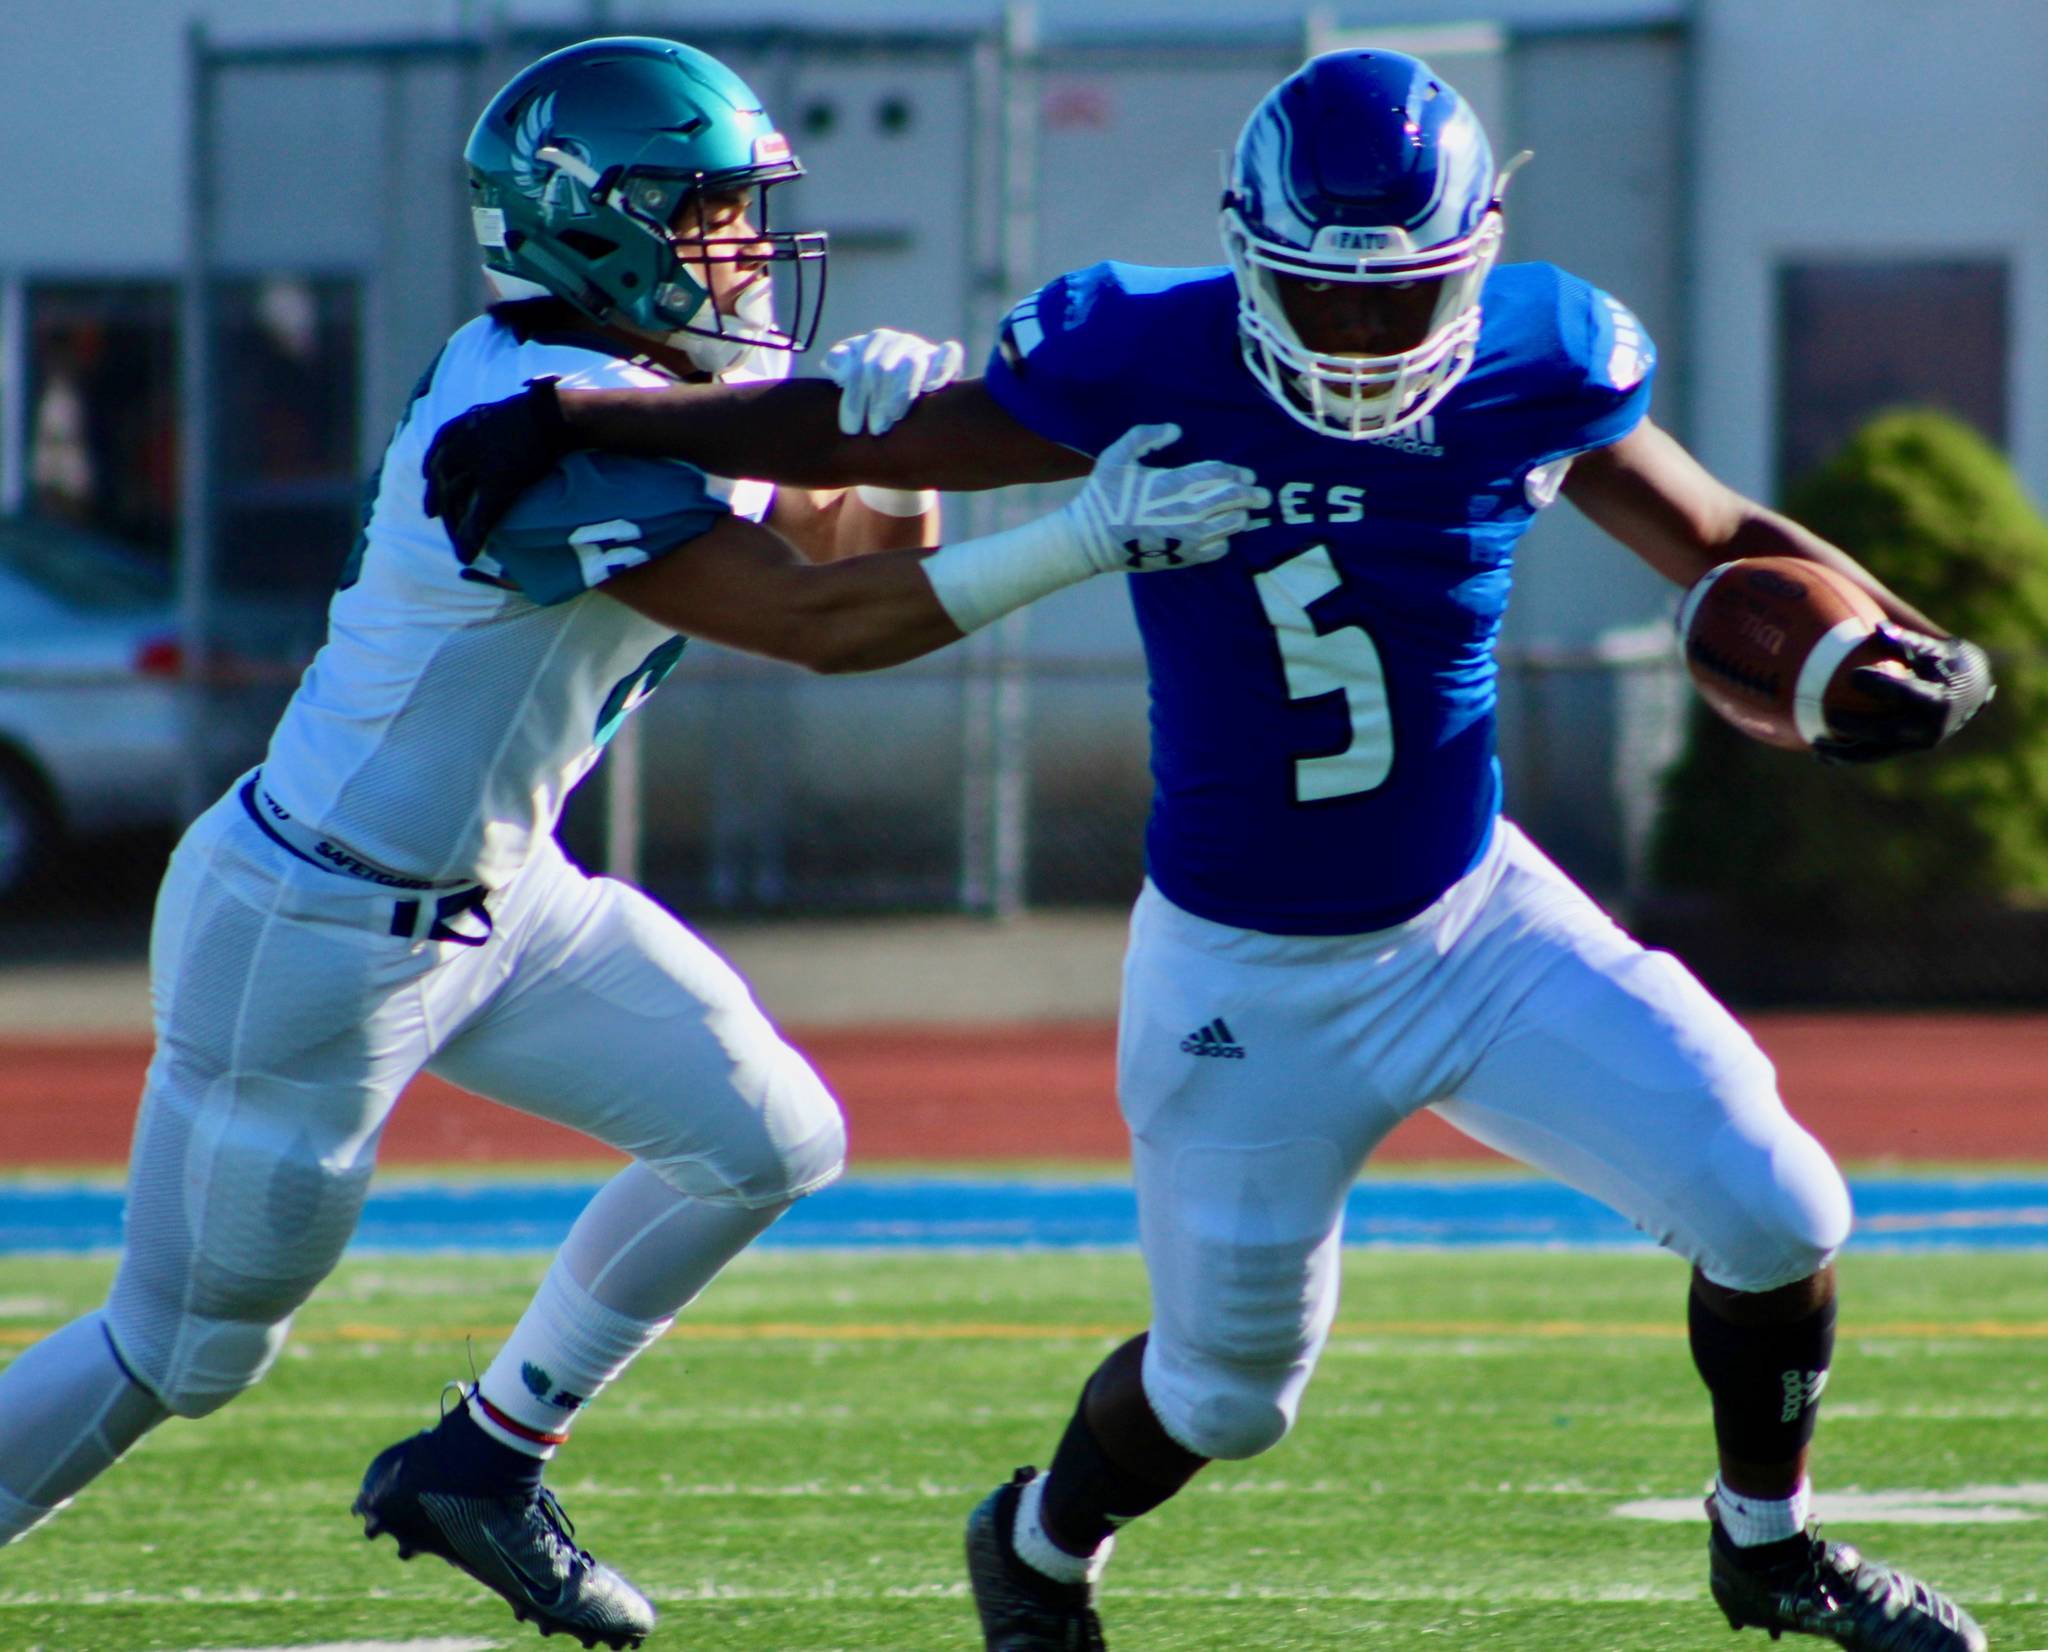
(1901, 1088)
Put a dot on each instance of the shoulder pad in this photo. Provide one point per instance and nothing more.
(595, 516)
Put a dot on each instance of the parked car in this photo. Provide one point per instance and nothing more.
(91, 733)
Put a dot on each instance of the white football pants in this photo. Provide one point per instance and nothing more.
(289, 1018)
(1517, 1010)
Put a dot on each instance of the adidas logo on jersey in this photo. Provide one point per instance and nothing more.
(1213, 1040)
(1419, 437)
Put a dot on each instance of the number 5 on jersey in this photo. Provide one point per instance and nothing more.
(1344, 661)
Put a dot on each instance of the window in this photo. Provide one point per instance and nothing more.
(100, 416)
(101, 423)
(1856, 338)
(287, 480)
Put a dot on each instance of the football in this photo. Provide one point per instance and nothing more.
(1772, 642)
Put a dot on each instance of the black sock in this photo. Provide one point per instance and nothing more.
(472, 1461)
(1765, 1380)
(1089, 1492)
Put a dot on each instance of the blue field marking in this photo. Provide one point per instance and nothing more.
(1951, 1213)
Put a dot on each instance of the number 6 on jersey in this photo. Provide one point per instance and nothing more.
(1344, 661)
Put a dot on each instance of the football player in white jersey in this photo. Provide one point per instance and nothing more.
(385, 894)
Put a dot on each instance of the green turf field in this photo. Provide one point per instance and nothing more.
(790, 1470)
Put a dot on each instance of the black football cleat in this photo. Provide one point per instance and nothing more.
(1813, 1587)
(520, 1546)
(1023, 1610)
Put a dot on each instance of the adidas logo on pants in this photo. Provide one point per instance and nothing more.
(1214, 1040)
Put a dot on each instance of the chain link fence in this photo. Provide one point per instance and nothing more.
(221, 424)
(969, 782)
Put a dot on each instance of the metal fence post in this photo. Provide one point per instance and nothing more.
(195, 444)
(13, 395)
(995, 755)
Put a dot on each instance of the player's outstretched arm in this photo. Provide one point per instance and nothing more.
(957, 438)
(744, 587)
(880, 374)
(1651, 494)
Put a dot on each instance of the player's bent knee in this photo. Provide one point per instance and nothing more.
(196, 1337)
(1233, 1390)
(793, 1142)
(805, 1137)
(1796, 1217)
(818, 1158)
(202, 1364)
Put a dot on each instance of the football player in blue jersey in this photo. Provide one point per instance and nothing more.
(1339, 927)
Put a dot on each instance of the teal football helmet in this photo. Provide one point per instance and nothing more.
(589, 176)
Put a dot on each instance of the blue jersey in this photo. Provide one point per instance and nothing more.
(1323, 698)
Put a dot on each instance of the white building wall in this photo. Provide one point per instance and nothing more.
(1602, 198)
(96, 111)
(97, 116)
(1832, 128)
(1684, 151)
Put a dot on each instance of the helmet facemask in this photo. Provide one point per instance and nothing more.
(1361, 169)
(738, 334)
(1356, 396)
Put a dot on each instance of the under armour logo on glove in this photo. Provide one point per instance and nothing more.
(1138, 557)
(1135, 518)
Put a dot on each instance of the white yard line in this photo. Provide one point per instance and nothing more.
(442, 1645)
(1965, 1506)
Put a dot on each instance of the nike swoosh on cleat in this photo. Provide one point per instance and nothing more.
(548, 1596)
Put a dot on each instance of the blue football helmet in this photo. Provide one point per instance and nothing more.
(1362, 166)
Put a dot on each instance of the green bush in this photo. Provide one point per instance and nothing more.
(1936, 513)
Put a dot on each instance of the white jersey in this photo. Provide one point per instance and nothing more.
(440, 729)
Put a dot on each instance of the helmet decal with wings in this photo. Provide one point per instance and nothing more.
(532, 132)
(1363, 168)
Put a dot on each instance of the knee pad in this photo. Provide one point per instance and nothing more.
(1242, 1251)
(196, 1355)
(241, 1200)
(1230, 1386)
(810, 1133)
(802, 1144)
(1239, 1415)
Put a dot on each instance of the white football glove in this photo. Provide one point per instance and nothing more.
(1132, 518)
(880, 374)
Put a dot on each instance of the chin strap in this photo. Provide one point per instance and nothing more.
(1506, 175)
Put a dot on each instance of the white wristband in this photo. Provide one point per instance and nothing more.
(979, 580)
(896, 501)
